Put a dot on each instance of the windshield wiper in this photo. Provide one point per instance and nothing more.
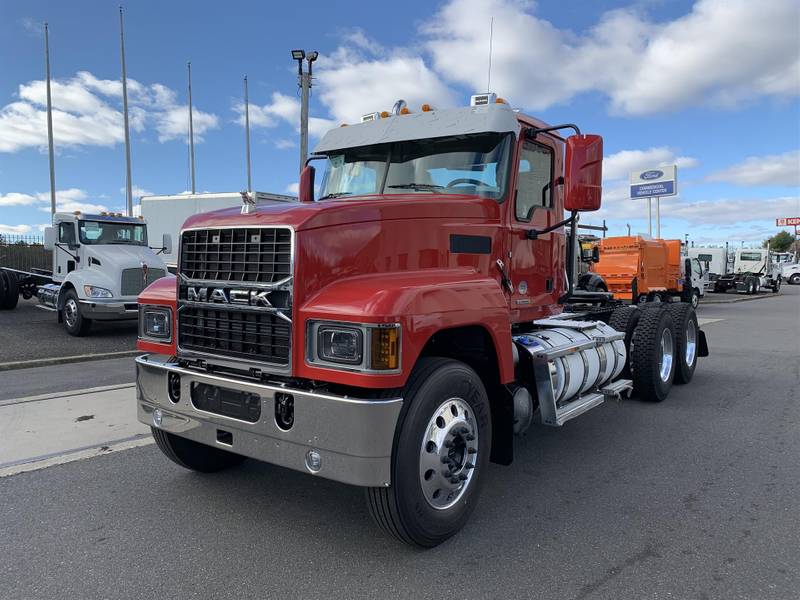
(334, 195)
(426, 187)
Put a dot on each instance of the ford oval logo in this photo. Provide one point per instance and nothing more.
(655, 174)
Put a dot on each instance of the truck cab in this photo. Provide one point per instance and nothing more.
(100, 265)
(753, 269)
(396, 330)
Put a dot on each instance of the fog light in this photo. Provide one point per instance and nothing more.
(313, 461)
(157, 417)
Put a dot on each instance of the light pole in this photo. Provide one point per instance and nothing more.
(304, 82)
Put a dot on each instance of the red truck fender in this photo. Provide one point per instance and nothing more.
(424, 302)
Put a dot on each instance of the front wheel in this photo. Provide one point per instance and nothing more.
(795, 279)
(74, 322)
(695, 299)
(776, 285)
(440, 457)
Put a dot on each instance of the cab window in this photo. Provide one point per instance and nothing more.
(534, 180)
(66, 233)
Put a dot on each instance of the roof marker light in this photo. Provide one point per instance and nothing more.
(385, 114)
(500, 101)
(405, 111)
(427, 108)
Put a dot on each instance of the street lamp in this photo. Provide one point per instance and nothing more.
(304, 82)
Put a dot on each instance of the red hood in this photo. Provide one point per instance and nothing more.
(362, 209)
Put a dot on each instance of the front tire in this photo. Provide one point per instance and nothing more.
(194, 455)
(74, 322)
(440, 456)
(695, 299)
(795, 279)
(653, 355)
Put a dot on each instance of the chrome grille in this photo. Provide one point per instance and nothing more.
(132, 282)
(219, 269)
(253, 254)
(251, 335)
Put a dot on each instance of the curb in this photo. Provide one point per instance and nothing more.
(733, 301)
(61, 360)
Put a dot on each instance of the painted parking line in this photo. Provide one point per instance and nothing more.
(702, 321)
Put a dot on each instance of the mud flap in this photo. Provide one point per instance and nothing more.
(703, 344)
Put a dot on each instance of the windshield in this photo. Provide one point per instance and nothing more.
(104, 232)
(466, 164)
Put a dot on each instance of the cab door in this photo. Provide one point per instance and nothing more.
(535, 265)
(67, 239)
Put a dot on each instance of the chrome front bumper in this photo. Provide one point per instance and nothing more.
(353, 437)
(109, 309)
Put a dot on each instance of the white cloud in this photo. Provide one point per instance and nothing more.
(15, 229)
(775, 169)
(136, 191)
(282, 109)
(87, 112)
(293, 188)
(285, 144)
(642, 66)
(620, 164)
(17, 199)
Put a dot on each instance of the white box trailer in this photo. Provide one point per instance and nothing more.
(167, 214)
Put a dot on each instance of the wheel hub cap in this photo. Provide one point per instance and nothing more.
(691, 343)
(448, 454)
(665, 361)
(70, 312)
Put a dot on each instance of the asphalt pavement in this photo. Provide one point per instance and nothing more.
(29, 332)
(693, 498)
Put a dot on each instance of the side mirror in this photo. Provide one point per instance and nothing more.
(596, 254)
(306, 191)
(166, 243)
(49, 238)
(583, 173)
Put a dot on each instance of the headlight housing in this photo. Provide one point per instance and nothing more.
(155, 323)
(364, 347)
(92, 291)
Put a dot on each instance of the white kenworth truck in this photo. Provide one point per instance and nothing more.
(100, 265)
(753, 270)
(396, 332)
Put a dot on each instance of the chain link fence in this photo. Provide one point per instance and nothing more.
(24, 252)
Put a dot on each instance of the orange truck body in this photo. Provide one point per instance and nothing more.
(654, 266)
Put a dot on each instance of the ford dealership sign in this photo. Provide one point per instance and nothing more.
(652, 183)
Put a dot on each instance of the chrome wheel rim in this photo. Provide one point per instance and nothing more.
(665, 359)
(448, 454)
(691, 342)
(71, 312)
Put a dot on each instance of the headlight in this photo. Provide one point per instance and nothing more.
(155, 323)
(367, 347)
(96, 292)
(340, 344)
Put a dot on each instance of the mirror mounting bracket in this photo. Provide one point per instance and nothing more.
(533, 234)
(534, 131)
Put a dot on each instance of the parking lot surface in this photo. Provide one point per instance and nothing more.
(693, 498)
(29, 332)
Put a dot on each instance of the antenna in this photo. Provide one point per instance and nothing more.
(491, 37)
(191, 127)
(247, 134)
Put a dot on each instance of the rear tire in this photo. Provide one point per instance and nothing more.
(10, 291)
(194, 455)
(776, 286)
(686, 341)
(625, 319)
(445, 426)
(74, 322)
(653, 355)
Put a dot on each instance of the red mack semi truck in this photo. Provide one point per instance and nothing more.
(397, 331)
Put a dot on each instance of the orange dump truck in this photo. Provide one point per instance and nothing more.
(640, 269)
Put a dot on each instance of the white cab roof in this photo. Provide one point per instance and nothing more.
(494, 118)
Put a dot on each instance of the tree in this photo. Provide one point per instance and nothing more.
(780, 242)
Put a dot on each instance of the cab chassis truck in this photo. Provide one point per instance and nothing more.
(399, 330)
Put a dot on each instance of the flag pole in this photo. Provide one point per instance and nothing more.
(128, 184)
(50, 122)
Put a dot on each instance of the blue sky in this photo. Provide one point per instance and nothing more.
(711, 85)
